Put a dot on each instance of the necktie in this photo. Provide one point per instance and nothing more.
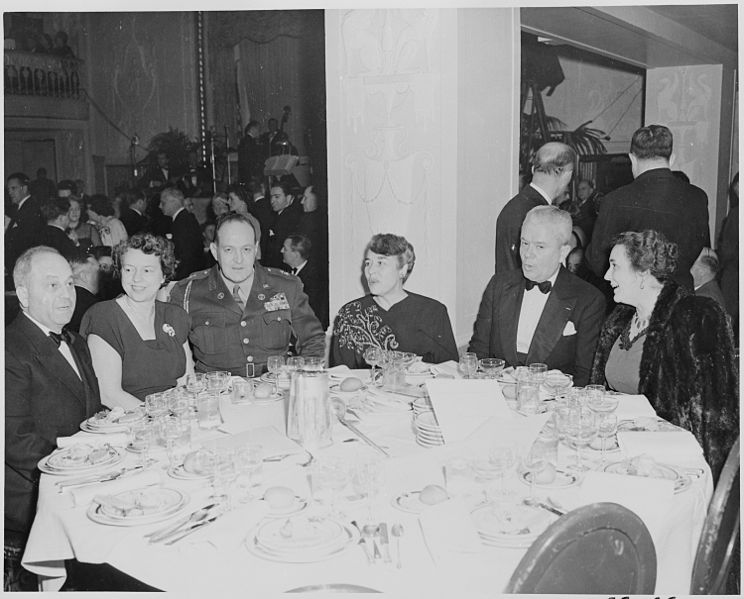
(58, 338)
(544, 287)
(236, 296)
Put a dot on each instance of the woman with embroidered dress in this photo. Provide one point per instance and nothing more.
(139, 345)
(666, 343)
(390, 317)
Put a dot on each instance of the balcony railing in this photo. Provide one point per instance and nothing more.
(28, 74)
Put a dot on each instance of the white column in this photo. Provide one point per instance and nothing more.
(422, 142)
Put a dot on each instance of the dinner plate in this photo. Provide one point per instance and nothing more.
(645, 425)
(304, 557)
(425, 443)
(298, 504)
(180, 473)
(74, 460)
(300, 535)
(430, 436)
(409, 502)
(156, 503)
(514, 525)
(681, 482)
(563, 479)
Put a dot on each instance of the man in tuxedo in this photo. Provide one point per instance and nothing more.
(286, 218)
(160, 175)
(551, 173)
(25, 227)
(50, 386)
(260, 207)
(42, 187)
(133, 218)
(185, 233)
(541, 312)
(296, 253)
(55, 212)
(250, 154)
(704, 272)
(86, 276)
(656, 200)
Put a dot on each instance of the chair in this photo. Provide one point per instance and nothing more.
(602, 548)
(719, 538)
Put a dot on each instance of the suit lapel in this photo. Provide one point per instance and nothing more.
(553, 320)
(52, 361)
(509, 319)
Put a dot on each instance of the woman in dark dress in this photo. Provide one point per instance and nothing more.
(668, 344)
(390, 317)
(138, 345)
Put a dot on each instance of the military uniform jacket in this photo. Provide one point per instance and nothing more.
(224, 337)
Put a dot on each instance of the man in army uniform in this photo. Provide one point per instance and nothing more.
(242, 312)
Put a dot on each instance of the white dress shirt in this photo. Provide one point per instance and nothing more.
(64, 349)
(533, 304)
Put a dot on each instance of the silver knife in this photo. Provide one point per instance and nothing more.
(188, 531)
(385, 542)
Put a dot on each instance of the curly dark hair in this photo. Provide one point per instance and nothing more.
(101, 205)
(152, 245)
(387, 244)
(649, 250)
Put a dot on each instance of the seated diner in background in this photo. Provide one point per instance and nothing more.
(390, 317)
(139, 345)
(541, 312)
(673, 347)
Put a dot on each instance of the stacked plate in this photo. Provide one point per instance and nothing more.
(137, 507)
(428, 432)
(421, 405)
(300, 539)
(510, 525)
(115, 421)
(79, 458)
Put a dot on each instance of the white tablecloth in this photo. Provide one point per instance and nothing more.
(200, 567)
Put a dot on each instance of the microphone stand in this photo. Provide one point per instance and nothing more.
(227, 155)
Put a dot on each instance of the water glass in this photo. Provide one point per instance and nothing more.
(142, 438)
(528, 396)
(242, 391)
(177, 434)
(195, 382)
(458, 476)
(217, 380)
(274, 365)
(156, 404)
(249, 464)
(491, 367)
(547, 443)
(582, 428)
(208, 409)
(469, 364)
(534, 461)
(538, 371)
(328, 477)
(223, 474)
(313, 363)
(606, 429)
(558, 383)
(366, 480)
(603, 403)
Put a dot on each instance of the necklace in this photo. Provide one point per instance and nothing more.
(635, 328)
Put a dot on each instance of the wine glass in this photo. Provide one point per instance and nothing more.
(330, 477)
(366, 482)
(373, 357)
(582, 428)
(503, 457)
(606, 429)
(603, 403)
(558, 383)
(469, 364)
(274, 365)
(534, 461)
(491, 367)
(141, 439)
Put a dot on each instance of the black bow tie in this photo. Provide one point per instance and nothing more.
(544, 287)
(58, 338)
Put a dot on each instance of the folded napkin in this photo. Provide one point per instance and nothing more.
(649, 498)
(669, 447)
(634, 406)
(230, 529)
(116, 439)
(448, 368)
(448, 528)
(82, 496)
(462, 406)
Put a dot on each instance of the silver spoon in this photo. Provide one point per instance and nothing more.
(397, 532)
(194, 517)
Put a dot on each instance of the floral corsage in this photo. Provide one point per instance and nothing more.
(169, 329)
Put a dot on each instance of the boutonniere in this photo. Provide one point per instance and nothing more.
(169, 329)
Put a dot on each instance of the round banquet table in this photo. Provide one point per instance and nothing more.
(218, 561)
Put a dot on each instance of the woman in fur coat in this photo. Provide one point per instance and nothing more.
(673, 347)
